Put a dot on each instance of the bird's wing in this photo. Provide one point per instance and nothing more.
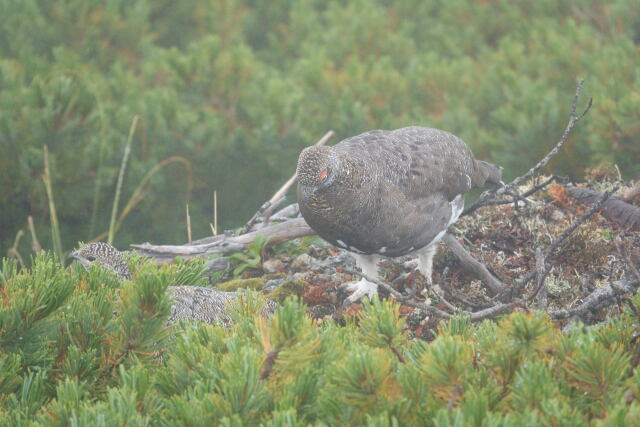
(419, 161)
(416, 223)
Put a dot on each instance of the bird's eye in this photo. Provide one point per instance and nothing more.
(322, 176)
(91, 258)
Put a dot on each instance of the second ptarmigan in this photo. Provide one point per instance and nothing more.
(388, 193)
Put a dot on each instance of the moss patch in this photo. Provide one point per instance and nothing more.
(290, 287)
(255, 284)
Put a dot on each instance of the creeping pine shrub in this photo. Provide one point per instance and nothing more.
(229, 92)
(77, 348)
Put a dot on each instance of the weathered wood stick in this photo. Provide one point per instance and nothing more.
(614, 209)
(279, 233)
(488, 197)
(473, 265)
(267, 207)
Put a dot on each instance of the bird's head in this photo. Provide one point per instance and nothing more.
(318, 167)
(103, 254)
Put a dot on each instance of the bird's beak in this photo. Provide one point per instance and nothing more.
(72, 255)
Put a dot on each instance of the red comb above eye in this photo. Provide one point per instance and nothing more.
(322, 176)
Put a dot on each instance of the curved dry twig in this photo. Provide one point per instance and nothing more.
(488, 197)
(223, 244)
(615, 209)
(520, 285)
(267, 207)
(471, 264)
(597, 299)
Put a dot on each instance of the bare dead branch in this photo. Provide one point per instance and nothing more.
(222, 244)
(573, 119)
(492, 312)
(632, 193)
(541, 274)
(471, 264)
(453, 400)
(539, 187)
(575, 224)
(188, 224)
(516, 197)
(463, 298)
(35, 244)
(597, 299)
(269, 361)
(398, 354)
(520, 285)
(412, 302)
(288, 211)
(542, 287)
(282, 215)
(209, 239)
(630, 268)
(407, 300)
(448, 304)
(267, 207)
(14, 252)
(615, 209)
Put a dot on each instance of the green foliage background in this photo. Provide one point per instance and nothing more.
(237, 88)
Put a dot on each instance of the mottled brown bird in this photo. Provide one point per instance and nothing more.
(189, 302)
(388, 193)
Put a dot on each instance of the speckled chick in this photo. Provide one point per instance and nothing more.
(388, 193)
(190, 302)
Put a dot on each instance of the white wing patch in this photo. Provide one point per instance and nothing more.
(457, 206)
(353, 249)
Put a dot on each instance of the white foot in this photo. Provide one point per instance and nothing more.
(411, 264)
(360, 289)
(425, 262)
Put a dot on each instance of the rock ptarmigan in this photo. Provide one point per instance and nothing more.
(388, 193)
(189, 302)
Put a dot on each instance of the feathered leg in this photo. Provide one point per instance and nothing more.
(369, 266)
(425, 262)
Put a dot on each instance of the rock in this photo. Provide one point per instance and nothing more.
(301, 262)
(300, 276)
(328, 265)
(272, 284)
(272, 265)
(214, 265)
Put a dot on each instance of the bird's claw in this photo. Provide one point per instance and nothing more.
(360, 289)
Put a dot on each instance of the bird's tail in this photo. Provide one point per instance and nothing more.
(487, 175)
